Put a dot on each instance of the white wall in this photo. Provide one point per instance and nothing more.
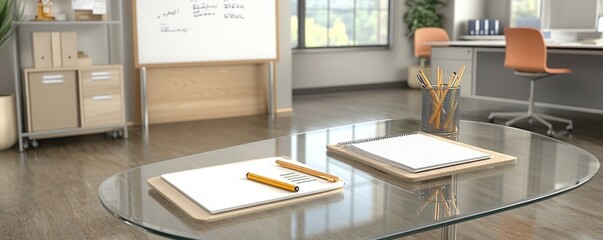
(6, 69)
(457, 12)
(466, 10)
(316, 69)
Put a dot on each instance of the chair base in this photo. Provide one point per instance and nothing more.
(531, 113)
(542, 118)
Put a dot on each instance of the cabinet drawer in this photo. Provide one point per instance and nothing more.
(101, 90)
(52, 100)
(100, 77)
(102, 109)
(458, 53)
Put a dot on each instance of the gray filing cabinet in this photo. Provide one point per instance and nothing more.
(450, 59)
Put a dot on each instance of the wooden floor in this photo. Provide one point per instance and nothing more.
(51, 192)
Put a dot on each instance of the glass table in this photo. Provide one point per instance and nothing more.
(373, 205)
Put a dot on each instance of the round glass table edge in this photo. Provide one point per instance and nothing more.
(453, 220)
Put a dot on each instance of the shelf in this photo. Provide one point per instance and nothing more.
(482, 37)
(101, 38)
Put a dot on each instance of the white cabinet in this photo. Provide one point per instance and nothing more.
(451, 59)
(89, 97)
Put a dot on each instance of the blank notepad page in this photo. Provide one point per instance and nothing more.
(417, 152)
(224, 187)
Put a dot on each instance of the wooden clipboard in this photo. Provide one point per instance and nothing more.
(195, 211)
(496, 159)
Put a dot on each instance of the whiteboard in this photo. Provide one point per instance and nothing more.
(197, 31)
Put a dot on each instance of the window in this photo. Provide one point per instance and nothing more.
(525, 13)
(339, 23)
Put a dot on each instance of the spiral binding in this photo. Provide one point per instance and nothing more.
(343, 144)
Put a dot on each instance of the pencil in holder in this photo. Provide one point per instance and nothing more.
(440, 110)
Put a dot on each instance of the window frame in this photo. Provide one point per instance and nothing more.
(301, 33)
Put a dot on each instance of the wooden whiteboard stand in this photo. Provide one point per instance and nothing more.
(211, 33)
(144, 99)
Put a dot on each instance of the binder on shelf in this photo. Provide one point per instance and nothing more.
(55, 42)
(473, 27)
(69, 55)
(418, 156)
(42, 49)
(494, 27)
(223, 190)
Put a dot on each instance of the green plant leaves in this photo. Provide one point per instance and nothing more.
(10, 11)
(422, 13)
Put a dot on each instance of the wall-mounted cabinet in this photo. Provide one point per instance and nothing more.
(78, 97)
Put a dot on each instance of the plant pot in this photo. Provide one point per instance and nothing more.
(8, 121)
(412, 76)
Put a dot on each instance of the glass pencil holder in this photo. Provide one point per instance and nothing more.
(440, 110)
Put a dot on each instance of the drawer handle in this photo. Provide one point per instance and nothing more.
(102, 97)
(52, 79)
(99, 76)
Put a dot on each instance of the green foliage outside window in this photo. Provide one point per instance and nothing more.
(341, 23)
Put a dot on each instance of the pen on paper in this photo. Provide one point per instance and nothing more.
(272, 182)
(325, 176)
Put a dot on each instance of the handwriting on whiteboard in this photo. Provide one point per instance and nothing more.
(176, 20)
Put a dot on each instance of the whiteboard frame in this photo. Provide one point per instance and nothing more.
(138, 64)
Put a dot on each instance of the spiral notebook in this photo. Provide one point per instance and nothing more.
(418, 156)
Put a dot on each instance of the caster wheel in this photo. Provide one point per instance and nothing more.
(550, 133)
(113, 134)
(491, 119)
(34, 144)
(120, 134)
(569, 128)
(25, 144)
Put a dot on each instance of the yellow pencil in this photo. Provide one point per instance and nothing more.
(325, 176)
(272, 182)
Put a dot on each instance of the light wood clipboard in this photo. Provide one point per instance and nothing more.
(496, 159)
(195, 211)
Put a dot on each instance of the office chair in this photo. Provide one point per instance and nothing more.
(526, 55)
(428, 34)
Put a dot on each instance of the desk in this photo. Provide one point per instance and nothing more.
(373, 205)
(487, 78)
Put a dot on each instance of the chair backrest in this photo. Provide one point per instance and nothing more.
(525, 50)
(428, 34)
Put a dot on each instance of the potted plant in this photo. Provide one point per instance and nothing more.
(11, 11)
(422, 13)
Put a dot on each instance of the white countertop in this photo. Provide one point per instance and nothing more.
(497, 43)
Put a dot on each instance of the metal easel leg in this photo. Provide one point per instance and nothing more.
(144, 113)
(271, 103)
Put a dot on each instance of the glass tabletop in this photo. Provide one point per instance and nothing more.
(373, 204)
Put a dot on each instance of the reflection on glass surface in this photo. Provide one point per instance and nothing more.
(443, 199)
(373, 204)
